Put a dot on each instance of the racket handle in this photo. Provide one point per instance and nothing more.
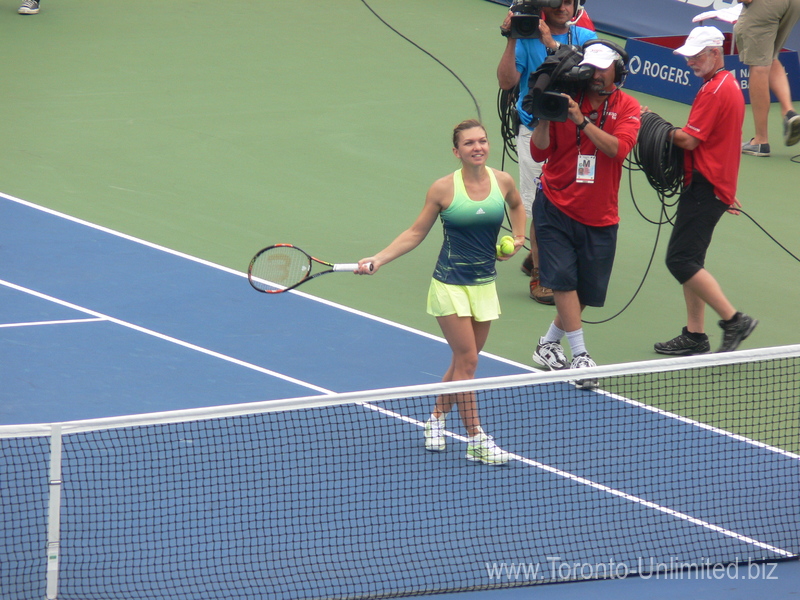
(349, 267)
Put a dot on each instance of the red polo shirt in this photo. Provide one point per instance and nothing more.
(716, 119)
(594, 204)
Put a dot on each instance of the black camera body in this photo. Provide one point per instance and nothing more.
(559, 74)
(525, 16)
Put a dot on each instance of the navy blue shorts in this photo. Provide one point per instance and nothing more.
(573, 256)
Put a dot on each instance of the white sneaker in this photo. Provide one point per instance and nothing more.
(550, 355)
(482, 448)
(434, 434)
(582, 361)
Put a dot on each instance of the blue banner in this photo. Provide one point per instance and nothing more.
(656, 70)
(646, 18)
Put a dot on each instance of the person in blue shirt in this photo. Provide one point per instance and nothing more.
(521, 58)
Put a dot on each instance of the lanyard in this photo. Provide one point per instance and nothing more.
(600, 124)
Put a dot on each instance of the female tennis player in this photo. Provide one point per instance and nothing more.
(462, 295)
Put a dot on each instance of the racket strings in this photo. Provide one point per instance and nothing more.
(284, 266)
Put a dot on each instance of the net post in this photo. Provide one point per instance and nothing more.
(54, 513)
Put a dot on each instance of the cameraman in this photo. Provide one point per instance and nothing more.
(576, 204)
(521, 58)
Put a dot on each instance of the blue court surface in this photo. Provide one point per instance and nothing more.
(96, 324)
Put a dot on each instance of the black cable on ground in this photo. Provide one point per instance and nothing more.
(769, 235)
(418, 47)
(638, 289)
(662, 163)
(654, 154)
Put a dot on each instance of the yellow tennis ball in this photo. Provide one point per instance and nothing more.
(507, 245)
(498, 251)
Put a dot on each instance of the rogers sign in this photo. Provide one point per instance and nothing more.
(646, 67)
(655, 70)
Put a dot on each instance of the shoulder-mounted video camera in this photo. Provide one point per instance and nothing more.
(526, 14)
(559, 74)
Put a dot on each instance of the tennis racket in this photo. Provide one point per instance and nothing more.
(282, 267)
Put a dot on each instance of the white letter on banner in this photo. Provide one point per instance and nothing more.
(718, 4)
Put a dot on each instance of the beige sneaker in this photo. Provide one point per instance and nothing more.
(541, 294)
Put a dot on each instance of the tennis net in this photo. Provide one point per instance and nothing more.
(668, 465)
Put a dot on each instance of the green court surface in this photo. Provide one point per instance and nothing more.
(216, 128)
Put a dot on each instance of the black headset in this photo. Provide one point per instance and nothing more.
(578, 5)
(620, 65)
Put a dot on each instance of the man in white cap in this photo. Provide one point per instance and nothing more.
(711, 142)
(576, 207)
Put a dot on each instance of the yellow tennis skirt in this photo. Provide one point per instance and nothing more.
(477, 301)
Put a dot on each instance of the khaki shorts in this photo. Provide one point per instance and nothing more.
(762, 29)
(477, 301)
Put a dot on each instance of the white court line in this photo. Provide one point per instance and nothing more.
(164, 337)
(522, 459)
(700, 424)
(244, 275)
(61, 322)
(606, 489)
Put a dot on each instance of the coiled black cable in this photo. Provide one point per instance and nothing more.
(509, 127)
(656, 155)
(662, 163)
(509, 122)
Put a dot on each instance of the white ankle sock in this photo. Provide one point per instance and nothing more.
(554, 334)
(576, 342)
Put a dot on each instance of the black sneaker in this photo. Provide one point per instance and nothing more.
(684, 345)
(734, 333)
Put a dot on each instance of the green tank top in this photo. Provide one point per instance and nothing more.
(468, 255)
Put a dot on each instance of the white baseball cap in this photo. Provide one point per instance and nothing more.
(699, 39)
(600, 56)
